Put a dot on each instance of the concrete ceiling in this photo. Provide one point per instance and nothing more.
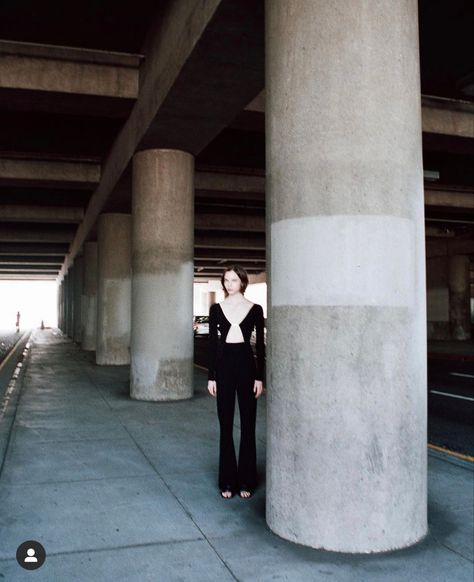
(83, 86)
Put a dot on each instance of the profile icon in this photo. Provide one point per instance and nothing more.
(30, 555)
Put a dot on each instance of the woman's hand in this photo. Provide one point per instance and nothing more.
(212, 387)
(258, 388)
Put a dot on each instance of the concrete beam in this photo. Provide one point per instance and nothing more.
(451, 221)
(228, 255)
(194, 112)
(57, 173)
(19, 259)
(449, 198)
(27, 277)
(257, 104)
(36, 195)
(444, 247)
(228, 182)
(222, 198)
(191, 45)
(219, 268)
(33, 233)
(229, 222)
(438, 232)
(29, 268)
(34, 249)
(19, 213)
(247, 241)
(439, 115)
(65, 103)
(227, 188)
(52, 69)
(206, 274)
(447, 116)
(208, 263)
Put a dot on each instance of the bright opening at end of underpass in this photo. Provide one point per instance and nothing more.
(35, 300)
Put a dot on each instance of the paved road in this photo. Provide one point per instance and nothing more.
(451, 405)
(8, 338)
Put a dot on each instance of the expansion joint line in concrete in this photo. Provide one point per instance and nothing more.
(16, 380)
(113, 549)
(450, 549)
(180, 503)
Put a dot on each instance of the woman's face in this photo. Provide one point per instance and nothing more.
(232, 283)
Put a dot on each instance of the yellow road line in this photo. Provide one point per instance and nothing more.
(454, 454)
(12, 351)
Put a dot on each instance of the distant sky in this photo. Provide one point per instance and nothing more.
(35, 300)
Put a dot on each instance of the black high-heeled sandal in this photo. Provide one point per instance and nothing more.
(227, 489)
(245, 489)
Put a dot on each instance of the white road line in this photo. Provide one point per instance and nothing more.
(463, 375)
(453, 395)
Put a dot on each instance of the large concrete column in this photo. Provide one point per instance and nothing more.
(162, 264)
(346, 444)
(70, 303)
(459, 297)
(89, 297)
(113, 289)
(78, 286)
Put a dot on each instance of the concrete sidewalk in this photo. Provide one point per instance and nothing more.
(116, 489)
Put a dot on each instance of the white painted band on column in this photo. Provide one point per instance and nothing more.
(343, 260)
(118, 293)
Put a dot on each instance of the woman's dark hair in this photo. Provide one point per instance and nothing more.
(241, 274)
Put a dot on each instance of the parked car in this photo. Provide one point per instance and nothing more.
(201, 325)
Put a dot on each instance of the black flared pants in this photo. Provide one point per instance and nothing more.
(236, 374)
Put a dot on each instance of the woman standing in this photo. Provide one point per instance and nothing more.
(232, 370)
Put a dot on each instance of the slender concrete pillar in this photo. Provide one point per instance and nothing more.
(459, 297)
(65, 303)
(113, 289)
(60, 303)
(65, 292)
(70, 303)
(78, 286)
(89, 297)
(346, 443)
(162, 288)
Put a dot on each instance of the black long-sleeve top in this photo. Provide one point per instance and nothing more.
(218, 321)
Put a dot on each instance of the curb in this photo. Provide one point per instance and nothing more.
(465, 461)
(9, 402)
